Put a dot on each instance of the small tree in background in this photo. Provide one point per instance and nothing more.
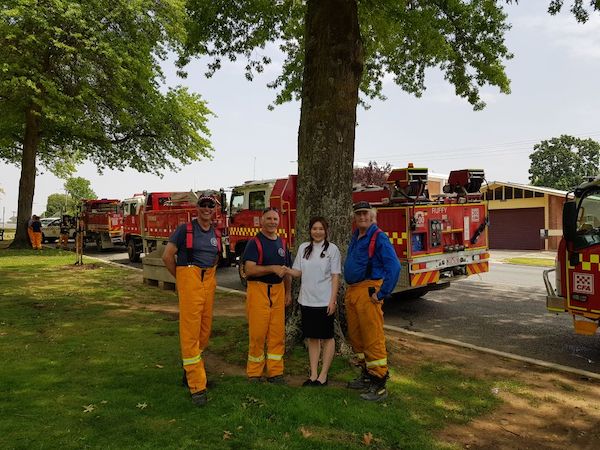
(372, 174)
(564, 162)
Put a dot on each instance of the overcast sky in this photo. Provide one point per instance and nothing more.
(555, 90)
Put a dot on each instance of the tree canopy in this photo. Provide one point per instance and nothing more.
(82, 80)
(76, 188)
(564, 162)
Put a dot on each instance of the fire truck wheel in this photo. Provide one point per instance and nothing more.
(132, 252)
(243, 279)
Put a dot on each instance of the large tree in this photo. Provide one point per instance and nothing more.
(82, 80)
(336, 48)
(564, 162)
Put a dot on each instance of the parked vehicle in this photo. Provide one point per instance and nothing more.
(102, 222)
(150, 218)
(577, 270)
(437, 240)
(51, 231)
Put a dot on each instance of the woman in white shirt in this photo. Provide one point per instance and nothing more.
(318, 263)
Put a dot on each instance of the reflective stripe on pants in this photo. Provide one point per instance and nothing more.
(196, 297)
(265, 309)
(365, 326)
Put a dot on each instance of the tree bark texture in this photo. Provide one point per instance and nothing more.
(333, 66)
(31, 141)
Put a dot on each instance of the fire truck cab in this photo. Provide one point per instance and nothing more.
(577, 270)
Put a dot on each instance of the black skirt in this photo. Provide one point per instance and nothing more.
(316, 324)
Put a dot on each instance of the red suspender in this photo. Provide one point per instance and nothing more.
(259, 249)
(189, 236)
(372, 243)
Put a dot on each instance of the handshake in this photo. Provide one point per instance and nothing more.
(282, 271)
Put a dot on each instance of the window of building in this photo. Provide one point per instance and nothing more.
(508, 193)
(498, 193)
(539, 194)
(528, 194)
(518, 193)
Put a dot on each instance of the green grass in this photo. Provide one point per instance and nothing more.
(74, 340)
(544, 262)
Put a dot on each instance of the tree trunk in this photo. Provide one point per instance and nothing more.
(332, 72)
(27, 182)
(333, 66)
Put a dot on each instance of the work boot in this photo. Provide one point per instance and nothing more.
(363, 381)
(277, 379)
(199, 398)
(254, 380)
(377, 391)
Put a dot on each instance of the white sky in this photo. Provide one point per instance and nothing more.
(554, 86)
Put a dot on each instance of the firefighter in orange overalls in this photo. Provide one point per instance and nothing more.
(36, 233)
(371, 271)
(196, 245)
(266, 260)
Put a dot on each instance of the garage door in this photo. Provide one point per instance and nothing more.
(516, 229)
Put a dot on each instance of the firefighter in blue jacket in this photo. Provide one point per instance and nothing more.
(371, 271)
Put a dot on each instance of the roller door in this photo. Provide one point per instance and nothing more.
(516, 229)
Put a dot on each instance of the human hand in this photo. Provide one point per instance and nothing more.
(331, 307)
(281, 271)
(374, 298)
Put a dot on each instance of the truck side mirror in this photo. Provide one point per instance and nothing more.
(570, 221)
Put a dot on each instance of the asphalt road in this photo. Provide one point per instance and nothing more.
(503, 309)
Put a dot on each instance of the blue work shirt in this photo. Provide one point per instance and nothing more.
(385, 264)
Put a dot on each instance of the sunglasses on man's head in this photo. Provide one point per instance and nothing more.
(266, 210)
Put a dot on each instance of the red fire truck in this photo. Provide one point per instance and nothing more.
(436, 239)
(101, 222)
(150, 218)
(577, 268)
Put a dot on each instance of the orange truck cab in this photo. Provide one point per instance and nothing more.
(577, 269)
(437, 240)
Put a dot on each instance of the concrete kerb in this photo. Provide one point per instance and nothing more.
(537, 362)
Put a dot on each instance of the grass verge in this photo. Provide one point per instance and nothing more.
(543, 262)
(87, 365)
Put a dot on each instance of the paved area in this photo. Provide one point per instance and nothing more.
(501, 255)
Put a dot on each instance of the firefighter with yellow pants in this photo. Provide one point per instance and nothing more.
(196, 245)
(371, 271)
(266, 260)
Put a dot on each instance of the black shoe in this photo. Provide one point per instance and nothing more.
(320, 384)
(254, 380)
(310, 382)
(277, 379)
(199, 398)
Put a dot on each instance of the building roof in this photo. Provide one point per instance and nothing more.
(543, 190)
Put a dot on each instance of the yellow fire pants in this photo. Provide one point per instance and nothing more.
(30, 234)
(265, 309)
(36, 241)
(365, 327)
(196, 290)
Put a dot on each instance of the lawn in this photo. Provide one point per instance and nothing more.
(86, 364)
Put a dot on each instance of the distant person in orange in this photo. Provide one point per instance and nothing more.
(36, 233)
(64, 233)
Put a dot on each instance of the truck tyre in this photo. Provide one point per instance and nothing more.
(132, 251)
(43, 238)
